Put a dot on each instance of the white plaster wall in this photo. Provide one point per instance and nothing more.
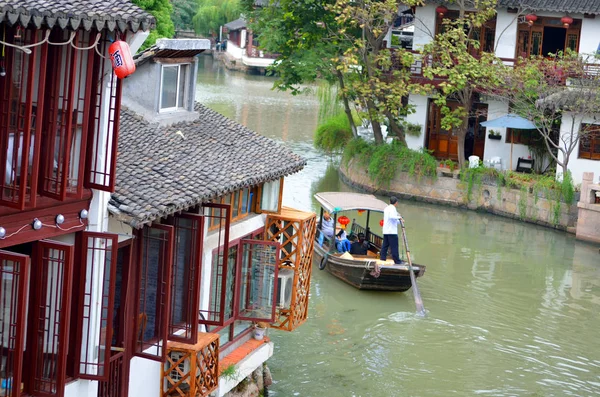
(506, 34)
(235, 51)
(576, 166)
(418, 117)
(424, 25)
(245, 368)
(257, 62)
(145, 377)
(124, 231)
(590, 35)
(81, 388)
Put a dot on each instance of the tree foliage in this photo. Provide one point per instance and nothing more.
(212, 14)
(161, 10)
(454, 54)
(183, 13)
(536, 89)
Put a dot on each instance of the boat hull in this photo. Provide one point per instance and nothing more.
(358, 272)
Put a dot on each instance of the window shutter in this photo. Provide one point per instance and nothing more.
(155, 261)
(185, 289)
(98, 260)
(14, 273)
(257, 285)
(101, 156)
(214, 311)
(50, 324)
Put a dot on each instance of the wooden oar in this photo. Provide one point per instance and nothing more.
(415, 288)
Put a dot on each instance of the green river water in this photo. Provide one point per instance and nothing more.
(513, 309)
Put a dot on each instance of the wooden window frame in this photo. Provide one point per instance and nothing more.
(215, 314)
(18, 303)
(241, 212)
(516, 135)
(259, 198)
(161, 325)
(593, 134)
(36, 327)
(192, 278)
(229, 326)
(85, 367)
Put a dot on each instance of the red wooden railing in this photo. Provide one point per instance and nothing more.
(115, 385)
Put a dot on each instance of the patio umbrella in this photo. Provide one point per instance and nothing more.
(510, 121)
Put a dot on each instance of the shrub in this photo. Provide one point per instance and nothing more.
(334, 133)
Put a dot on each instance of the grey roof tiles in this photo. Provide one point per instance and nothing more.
(87, 14)
(566, 6)
(163, 170)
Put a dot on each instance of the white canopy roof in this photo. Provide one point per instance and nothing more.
(345, 201)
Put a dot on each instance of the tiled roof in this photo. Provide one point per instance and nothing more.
(236, 25)
(172, 48)
(75, 14)
(162, 170)
(571, 6)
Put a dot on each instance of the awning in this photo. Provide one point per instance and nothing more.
(345, 201)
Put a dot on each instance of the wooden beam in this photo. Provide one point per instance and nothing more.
(174, 60)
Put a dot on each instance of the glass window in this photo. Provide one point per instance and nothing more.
(269, 200)
(173, 87)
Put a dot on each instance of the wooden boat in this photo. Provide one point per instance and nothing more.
(361, 271)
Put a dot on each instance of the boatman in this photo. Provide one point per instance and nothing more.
(391, 218)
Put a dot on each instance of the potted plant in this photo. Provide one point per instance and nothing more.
(260, 328)
(494, 135)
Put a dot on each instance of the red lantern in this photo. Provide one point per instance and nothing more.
(381, 223)
(566, 21)
(531, 18)
(360, 212)
(122, 61)
(343, 220)
(441, 10)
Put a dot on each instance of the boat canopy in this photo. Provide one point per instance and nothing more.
(346, 201)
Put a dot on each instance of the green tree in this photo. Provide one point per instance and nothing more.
(183, 13)
(466, 69)
(212, 14)
(161, 10)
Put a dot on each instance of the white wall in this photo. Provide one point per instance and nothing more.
(424, 25)
(145, 378)
(244, 368)
(257, 62)
(590, 35)
(576, 166)
(235, 51)
(506, 34)
(418, 117)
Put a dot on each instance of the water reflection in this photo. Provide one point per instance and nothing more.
(513, 308)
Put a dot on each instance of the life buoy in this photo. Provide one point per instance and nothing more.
(323, 263)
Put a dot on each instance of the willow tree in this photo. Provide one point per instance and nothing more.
(212, 14)
(457, 58)
(381, 77)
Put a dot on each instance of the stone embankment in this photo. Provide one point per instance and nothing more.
(447, 189)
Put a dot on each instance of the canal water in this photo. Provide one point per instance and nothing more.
(513, 309)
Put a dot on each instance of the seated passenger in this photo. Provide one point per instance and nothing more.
(341, 242)
(359, 246)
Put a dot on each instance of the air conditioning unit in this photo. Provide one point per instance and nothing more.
(285, 286)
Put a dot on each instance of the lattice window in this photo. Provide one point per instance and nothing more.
(258, 280)
(98, 258)
(185, 290)
(153, 291)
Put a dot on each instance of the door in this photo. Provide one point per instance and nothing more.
(478, 130)
(444, 143)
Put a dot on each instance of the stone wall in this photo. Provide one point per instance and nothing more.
(588, 226)
(449, 190)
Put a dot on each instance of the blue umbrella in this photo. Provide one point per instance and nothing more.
(510, 121)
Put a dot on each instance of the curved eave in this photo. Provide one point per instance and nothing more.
(346, 201)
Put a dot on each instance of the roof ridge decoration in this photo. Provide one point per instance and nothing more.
(113, 15)
(163, 170)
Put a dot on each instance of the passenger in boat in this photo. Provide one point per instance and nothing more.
(391, 218)
(341, 242)
(326, 228)
(359, 245)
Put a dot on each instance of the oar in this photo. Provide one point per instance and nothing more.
(417, 295)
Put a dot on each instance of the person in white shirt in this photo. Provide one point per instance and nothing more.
(391, 218)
